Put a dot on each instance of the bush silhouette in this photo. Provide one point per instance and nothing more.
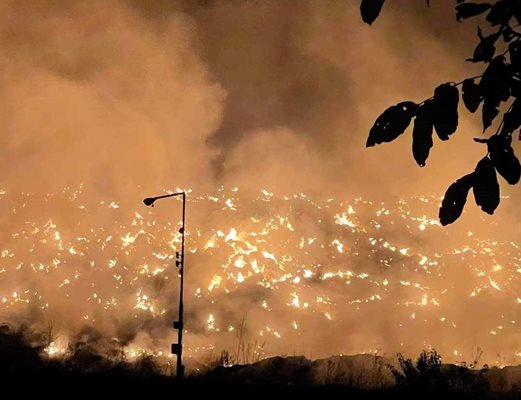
(424, 376)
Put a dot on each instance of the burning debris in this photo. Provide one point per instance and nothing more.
(304, 275)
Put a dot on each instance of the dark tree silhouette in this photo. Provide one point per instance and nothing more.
(426, 375)
(497, 89)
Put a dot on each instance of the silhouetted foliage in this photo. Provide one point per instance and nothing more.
(455, 199)
(370, 9)
(446, 100)
(500, 83)
(486, 186)
(467, 10)
(503, 158)
(422, 132)
(392, 123)
(471, 94)
(15, 353)
(25, 365)
(424, 376)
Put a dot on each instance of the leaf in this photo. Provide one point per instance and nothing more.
(471, 94)
(512, 119)
(455, 199)
(422, 132)
(504, 159)
(517, 12)
(446, 98)
(515, 88)
(370, 9)
(391, 123)
(514, 49)
(508, 166)
(500, 12)
(507, 34)
(486, 187)
(486, 48)
(489, 112)
(496, 79)
(495, 85)
(467, 10)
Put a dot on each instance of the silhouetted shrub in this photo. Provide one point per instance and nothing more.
(425, 375)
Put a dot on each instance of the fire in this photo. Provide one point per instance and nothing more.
(215, 282)
(288, 264)
(339, 246)
(55, 349)
(232, 235)
(295, 302)
(342, 219)
(211, 322)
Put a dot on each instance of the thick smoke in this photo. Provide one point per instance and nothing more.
(130, 98)
(96, 94)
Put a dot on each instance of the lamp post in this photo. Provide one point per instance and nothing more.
(177, 348)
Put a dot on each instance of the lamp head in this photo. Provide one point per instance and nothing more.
(149, 201)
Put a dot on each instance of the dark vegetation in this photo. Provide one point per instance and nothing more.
(23, 367)
(497, 90)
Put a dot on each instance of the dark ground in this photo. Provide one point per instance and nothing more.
(85, 373)
(79, 385)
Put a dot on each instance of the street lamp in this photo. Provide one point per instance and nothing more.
(177, 348)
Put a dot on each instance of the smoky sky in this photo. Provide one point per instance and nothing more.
(120, 95)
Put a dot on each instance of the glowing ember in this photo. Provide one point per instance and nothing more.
(55, 350)
(294, 269)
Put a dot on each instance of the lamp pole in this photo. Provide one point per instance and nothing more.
(177, 348)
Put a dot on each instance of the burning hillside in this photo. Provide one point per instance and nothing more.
(265, 274)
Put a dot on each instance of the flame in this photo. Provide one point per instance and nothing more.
(55, 349)
(258, 256)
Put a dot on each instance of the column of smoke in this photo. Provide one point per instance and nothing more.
(130, 98)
